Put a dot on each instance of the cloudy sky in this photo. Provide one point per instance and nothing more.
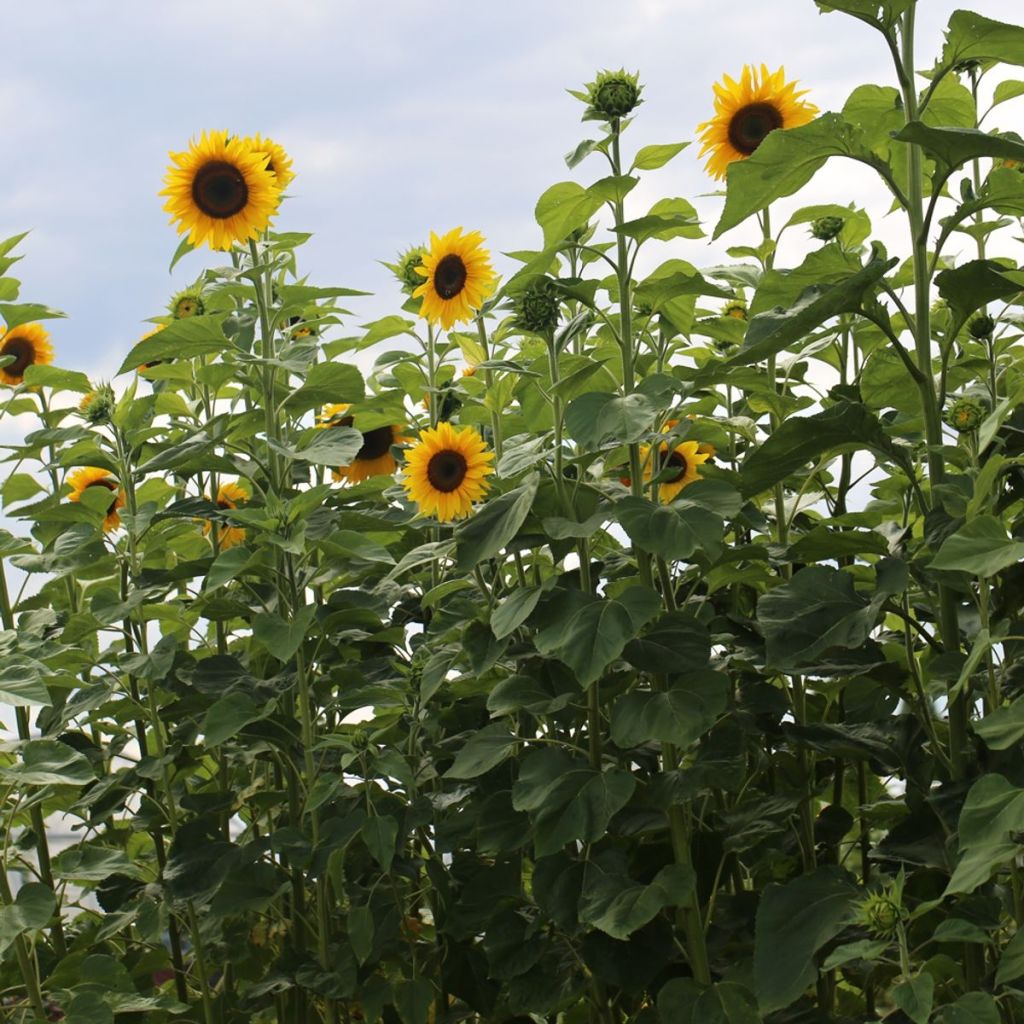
(400, 117)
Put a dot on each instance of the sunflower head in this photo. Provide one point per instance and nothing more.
(229, 496)
(23, 346)
(96, 407)
(981, 326)
(459, 277)
(737, 309)
(187, 303)
(446, 470)
(334, 415)
(374, 458)
(278, 162)
(966, 414)
(613, 94)
(675, 467)
(746, 111)
(824, 229)
(89, 477)
(882, 913)
(404, 268)
(301, 329)
(538, 307)
(220, 190)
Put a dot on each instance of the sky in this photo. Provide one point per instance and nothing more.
(401, 118)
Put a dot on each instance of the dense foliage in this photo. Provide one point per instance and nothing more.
(698, 702)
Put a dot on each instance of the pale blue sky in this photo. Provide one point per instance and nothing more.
(400, 117)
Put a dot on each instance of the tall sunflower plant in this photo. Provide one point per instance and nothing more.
(616, 646)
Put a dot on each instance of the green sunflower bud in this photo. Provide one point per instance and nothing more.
(737, 309)
(881, 914)
(537, 308)
(981, 326)
(613, 94)
(826, 228)
(966, 414)
(405, 268)
(97, 406)
(187, 303)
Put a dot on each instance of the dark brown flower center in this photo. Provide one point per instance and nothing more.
(219, 189)
(751, 124)
(678, 462)
(24, 355)
(376, 442)
(110, 486)
(446, 471)
(223, 503)
(450, 276)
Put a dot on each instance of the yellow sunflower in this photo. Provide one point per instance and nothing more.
(374, 458)
(445, 471)
(220, 191)
(29, 344)
(746, 111)
(229, 496)
(80, 480)
(279, 163)
(680, 464)
(459, 277)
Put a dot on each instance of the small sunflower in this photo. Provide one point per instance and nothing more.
(737, 309)
(96, 406)
(679, 465)
(80, 480)
(229, 496)
(220, 191)
(188, 303)
(459, 277)
(278, 162)
(445, 471)
(746, 111)
(30, 346)
(374, 458)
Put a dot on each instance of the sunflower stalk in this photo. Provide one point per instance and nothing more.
(28, 963)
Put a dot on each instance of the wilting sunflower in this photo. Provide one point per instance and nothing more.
(679, 465)
(279, 163)
(459, 277)
(374, 458)
(30, 346)
(80, 480)
(746, 111)
(220, 191)
(229, 496)
(445, 471)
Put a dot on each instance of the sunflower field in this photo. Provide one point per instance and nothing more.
(614, 640)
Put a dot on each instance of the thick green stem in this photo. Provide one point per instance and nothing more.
(27, 963)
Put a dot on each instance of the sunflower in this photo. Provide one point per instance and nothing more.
(444, 472)
(80, 480)
(679, 464)
(278, 162)
(30, 346)
(746, 111)
(229, 496)
(220, 190)
(374, 458)
(459, 277)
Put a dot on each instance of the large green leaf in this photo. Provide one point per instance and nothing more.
(486, 533)
(972, 36)
(598, 416)
(677, 642)
(679, 715)
(914, 996)
(675, 531)
(180, 339)
(327, 383)
(31, 910)
(881, 14)
(793, 922)
(971, 1008)
(980, 547)
(992, 816)
(955, 146)
(1004, 727)
(21, 684)
(1011, 963)
(484, 749)
(228, 715)
(49, 763)
(563, 208)
(972, 285)
(618, 906)
(585, 817)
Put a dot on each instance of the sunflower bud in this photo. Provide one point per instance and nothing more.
(826, 228)
(97, 406)
(405, 268)
(737, 309)
(965, 414)
(187, 303)
(537, 308)
(982, 326)
(613, 94)
(881, 914)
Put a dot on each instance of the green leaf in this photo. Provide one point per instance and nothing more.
(793, 922)
(180, 339)
(21, 685)
(563, 208)
(380, 833)
(972, 1008)
(495, 525)
(514, 611)
(360, 931)
(952, 147)
(598, 416)
(915, 997)
(725, 1003)
(649, 158)
(846, 426)
(31, 910)
(991, 816)
(387, 327)
(16, 314)
(53, 377)
(1009, 89)
(484, 750)
(972, 285)
(783, 163)
(334, 447)
(227, 716)
(586, 816)
(49, 763)
(1004, 727)
(1011, 963)
(614, 188)
(877, 13)
(413, 1000)
(618, 906)
(980, 547)
(667, 218)
(92, 863)
(675, 531)
(972, 36)
(676, 642)
(226, 566)
(280, 637)
(680, 715)
(327, 383)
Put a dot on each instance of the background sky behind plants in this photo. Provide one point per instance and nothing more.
(400, 117)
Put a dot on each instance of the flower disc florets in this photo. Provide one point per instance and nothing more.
(613, 94)
(982, 326)
(966, 414)
(826, 228)
(537, 308)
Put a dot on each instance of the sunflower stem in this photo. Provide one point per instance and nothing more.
(28, 964)
(481, 331)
